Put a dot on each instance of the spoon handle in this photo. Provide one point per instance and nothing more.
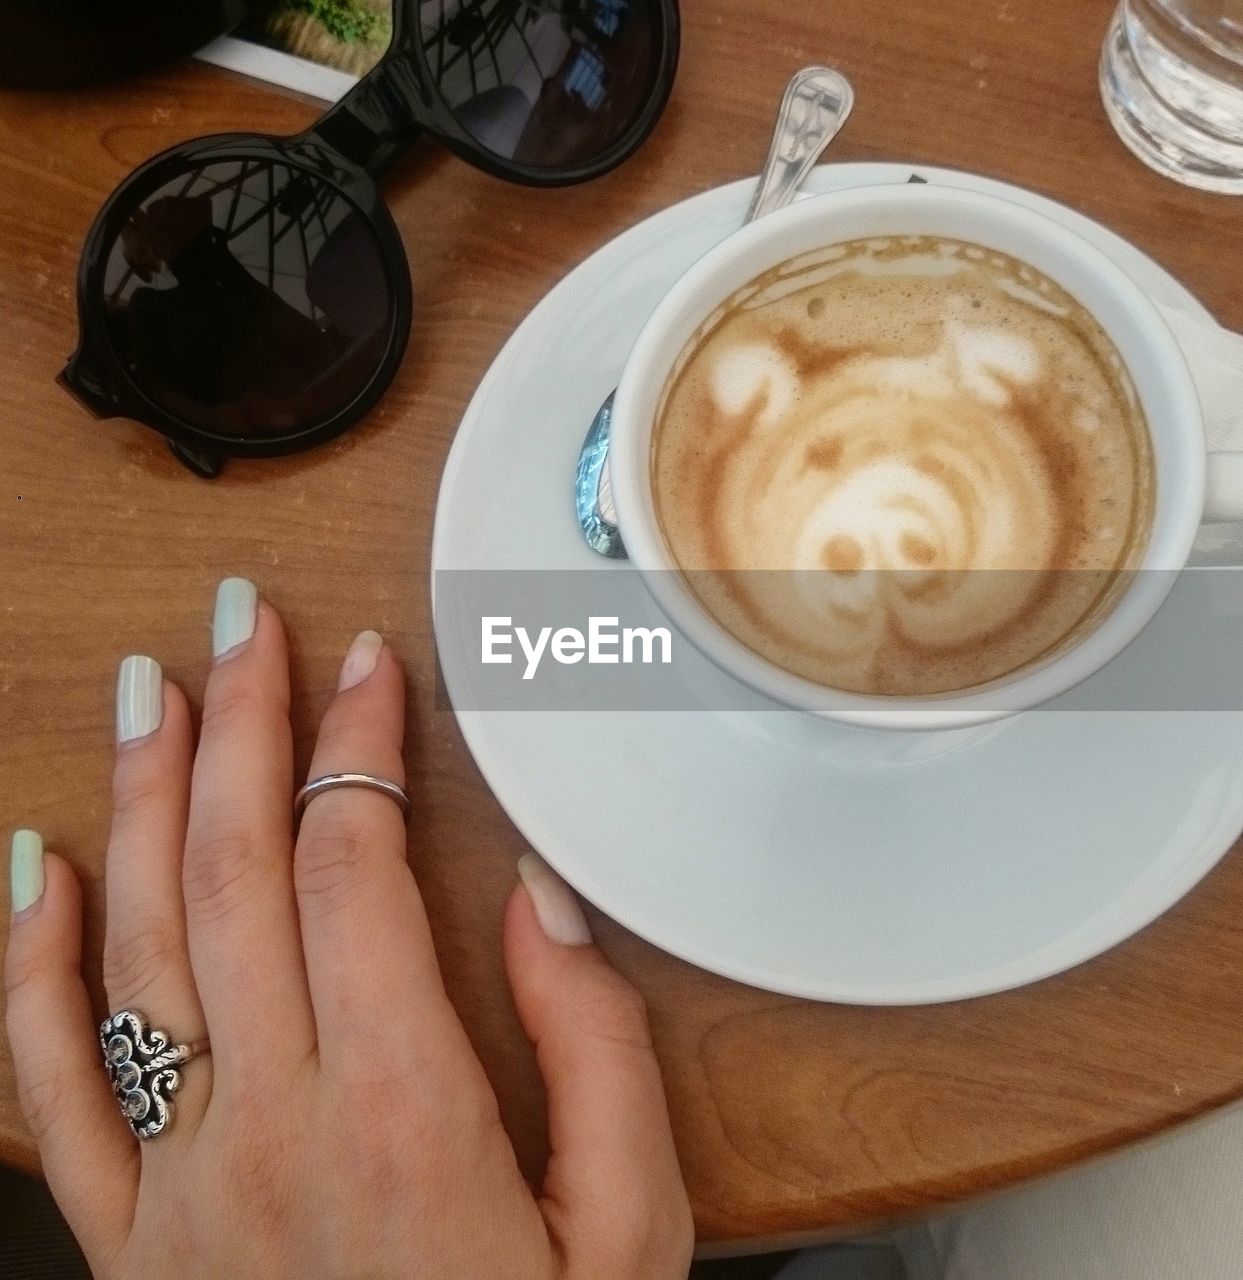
(815, 106)
(816, 103)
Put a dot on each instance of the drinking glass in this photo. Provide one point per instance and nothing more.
(1171, 78)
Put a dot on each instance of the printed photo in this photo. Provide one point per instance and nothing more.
(348, 35)
(316, 47)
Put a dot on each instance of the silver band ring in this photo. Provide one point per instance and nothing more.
(331, 781)
(143, 1069)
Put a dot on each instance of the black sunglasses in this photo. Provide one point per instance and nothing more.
(249, 296)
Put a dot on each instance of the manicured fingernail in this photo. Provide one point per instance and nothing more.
(237, 603)
(556, 907)
(25, 870)
(361, 659)
(140, 697)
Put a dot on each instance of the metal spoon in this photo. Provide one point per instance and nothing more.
(815, 106)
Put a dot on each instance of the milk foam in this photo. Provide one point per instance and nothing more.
(903, 479)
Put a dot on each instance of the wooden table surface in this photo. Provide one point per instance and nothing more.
(791, 1117)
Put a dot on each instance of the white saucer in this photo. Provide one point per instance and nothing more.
(761, 845)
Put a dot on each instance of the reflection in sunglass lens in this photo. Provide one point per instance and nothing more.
(248, 298)
(547, 83)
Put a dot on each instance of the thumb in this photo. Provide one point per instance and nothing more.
(613, 1193)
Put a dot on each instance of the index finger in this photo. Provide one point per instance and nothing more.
(379, 1001)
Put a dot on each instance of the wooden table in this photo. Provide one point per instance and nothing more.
(791, 1117)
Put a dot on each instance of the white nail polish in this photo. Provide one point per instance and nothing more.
(556, 907)
(140, 697)
(360, 661)
(237, 605)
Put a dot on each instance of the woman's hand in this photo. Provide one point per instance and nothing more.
(341, 1125)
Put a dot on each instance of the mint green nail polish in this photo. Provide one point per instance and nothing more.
(237, 605)
(26, 870)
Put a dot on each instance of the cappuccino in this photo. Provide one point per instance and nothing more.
(903, 465)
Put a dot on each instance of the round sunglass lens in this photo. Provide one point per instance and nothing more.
(248, 298)
(546, 83)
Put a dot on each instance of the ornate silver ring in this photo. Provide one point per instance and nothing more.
(331, 781)
(143, 1069)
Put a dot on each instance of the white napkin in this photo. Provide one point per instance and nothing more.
(1216, 359)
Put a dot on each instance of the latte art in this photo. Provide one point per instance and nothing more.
(903, 466)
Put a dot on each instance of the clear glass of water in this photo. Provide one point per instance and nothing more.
(1172, 82)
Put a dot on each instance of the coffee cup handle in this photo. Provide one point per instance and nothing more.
(1223, 494)
(1215, 358)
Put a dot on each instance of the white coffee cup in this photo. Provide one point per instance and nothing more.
(1159, 369)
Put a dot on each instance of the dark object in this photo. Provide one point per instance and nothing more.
(35, 1243)
(249, 296)
(762, 1266)
(53, 44)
